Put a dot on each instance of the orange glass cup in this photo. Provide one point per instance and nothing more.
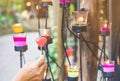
(17, 28)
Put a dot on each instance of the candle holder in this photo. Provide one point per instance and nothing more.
(108, 71)
(105, 28)
(46, 2)
(17, 28)
(73, 73)
(20, 42)
(46, 32)
(80, 21)
(20, 45)
(109, 74)
(105, 31)
(19, 39)
(108, 66)
(64, 2)
(80, 25)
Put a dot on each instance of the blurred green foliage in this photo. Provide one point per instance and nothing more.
(9, 3)
(6, 20)
(8, 8)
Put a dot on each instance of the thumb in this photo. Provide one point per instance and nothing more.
(40, 61)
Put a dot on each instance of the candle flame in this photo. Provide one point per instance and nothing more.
(80, 19)
(105, 25)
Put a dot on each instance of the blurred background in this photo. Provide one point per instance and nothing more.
(26, 13)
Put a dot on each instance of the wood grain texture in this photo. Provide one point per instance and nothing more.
(92, 34)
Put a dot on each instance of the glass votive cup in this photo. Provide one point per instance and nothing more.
(104, 29)
(19, 39)
(108, 66)
(73, 72)
(17, 28)
(64, 1)
(45, 32)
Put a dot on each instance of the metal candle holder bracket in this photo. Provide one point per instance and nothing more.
(45, 32)
(72, 78)
(78, 29)
(19, 41)
(108, 71)
(21, 49)
(20, 46)
(80, 21)
(108, 76)
(104, 33)
(105, 28)
(79, 26)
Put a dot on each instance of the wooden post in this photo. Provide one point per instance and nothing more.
(115, 38)
(57, 23)
(115, 28)
(92, 34)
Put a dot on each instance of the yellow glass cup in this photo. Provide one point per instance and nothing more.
(73, 71)
(17, 28)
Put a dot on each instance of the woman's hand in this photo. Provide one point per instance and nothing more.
(32, 71)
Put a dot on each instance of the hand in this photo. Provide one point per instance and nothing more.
(32, 71)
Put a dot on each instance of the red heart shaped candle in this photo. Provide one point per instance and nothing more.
(41, 41)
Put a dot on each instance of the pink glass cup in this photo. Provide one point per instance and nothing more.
(108, 67)
(66, 1)
(19, 40)
(104, 29)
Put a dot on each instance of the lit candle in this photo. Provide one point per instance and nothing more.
(104, 29)
(45, 33)
(80, 21)
(28, 4)
(108, 66)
